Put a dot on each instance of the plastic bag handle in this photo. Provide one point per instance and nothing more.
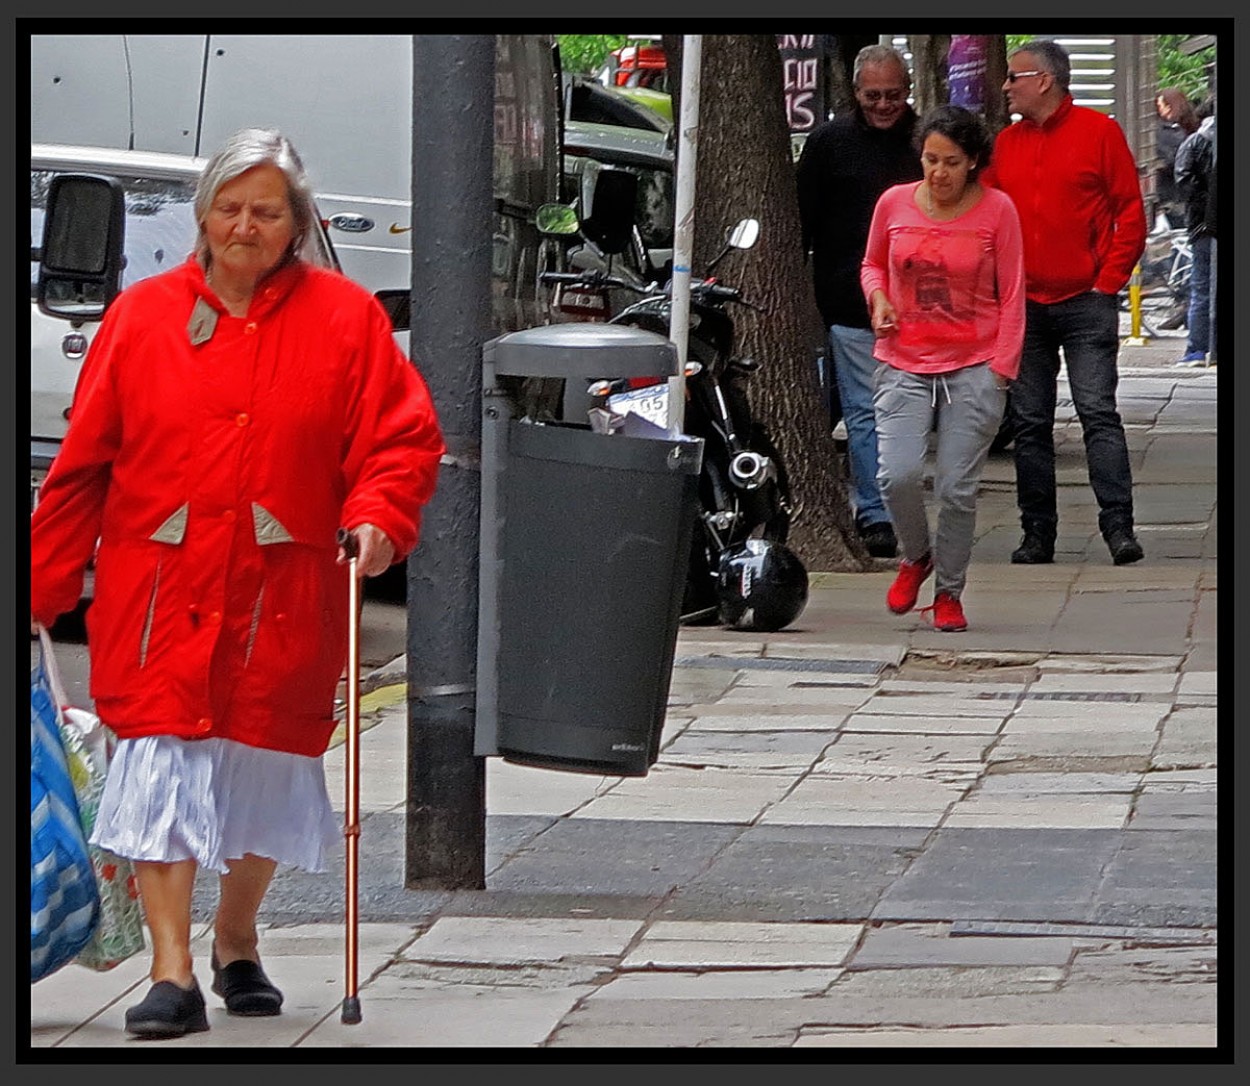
(50, 669)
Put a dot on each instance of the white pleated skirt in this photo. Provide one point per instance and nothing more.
(212, 800)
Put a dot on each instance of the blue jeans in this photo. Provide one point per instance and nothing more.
(1086, 329)
(1199, 318)
(1213, 339)
(855, 369)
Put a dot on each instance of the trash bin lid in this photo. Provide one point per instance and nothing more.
(582, 349)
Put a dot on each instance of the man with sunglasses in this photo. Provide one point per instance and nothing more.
(1074, 182)
(847, 164)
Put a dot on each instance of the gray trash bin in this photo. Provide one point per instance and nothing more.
(592, 537)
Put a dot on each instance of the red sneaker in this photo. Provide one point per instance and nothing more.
(901, 597)
(948, 613)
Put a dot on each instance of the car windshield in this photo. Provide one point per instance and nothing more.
(160, 223)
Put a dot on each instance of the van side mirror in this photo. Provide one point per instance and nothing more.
(81, 262)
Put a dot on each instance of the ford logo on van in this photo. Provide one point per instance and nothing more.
(351, 223)
(74, 345)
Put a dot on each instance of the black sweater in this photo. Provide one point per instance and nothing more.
(846, 165)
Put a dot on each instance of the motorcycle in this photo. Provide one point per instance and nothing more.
(740, 572)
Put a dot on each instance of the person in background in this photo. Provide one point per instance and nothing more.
(1177, 120)
(943, 274)
(231, 415)
(1074, 182)
(1194, 170)
(1212, 209)
(847, 163)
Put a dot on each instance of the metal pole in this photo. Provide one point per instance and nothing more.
(683, 225)
(452, 217)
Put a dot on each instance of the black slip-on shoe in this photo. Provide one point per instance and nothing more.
(168, 1011)
(879, 539)
(245, 988)
(1033, 551)
(1124, 548)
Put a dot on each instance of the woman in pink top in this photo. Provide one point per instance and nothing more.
(944, 277)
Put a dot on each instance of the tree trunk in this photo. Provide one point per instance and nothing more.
(928, 59)
(996, 116)
(745, 169)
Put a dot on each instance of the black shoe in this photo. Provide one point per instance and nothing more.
(168, 1011)
(879, 539)
(1124, 547)
(1033, 551)
(245, 988)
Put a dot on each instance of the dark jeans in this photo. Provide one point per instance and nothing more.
(1086, 328)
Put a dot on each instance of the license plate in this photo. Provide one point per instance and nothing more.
(650, 402)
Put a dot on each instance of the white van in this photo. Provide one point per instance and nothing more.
(344, 100)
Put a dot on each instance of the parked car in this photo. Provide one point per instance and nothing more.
(587, 100)
(641, 65)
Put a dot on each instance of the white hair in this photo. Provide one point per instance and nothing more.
(247, 148)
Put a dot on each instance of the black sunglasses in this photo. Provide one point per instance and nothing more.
(1013, 76)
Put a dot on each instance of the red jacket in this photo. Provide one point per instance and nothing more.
(1074, 183)
(215, 477)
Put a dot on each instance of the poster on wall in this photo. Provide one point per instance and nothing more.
(966, 64)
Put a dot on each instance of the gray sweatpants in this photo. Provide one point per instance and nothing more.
(967, 406)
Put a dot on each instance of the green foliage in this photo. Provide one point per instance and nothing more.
(1189, 73)
(584, 54)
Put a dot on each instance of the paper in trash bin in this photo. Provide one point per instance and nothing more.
(634, 425)
(643, 412)
(650, 403)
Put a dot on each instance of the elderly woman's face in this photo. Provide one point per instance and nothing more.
(250, 225)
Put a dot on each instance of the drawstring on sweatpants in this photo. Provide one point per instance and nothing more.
(940, 377)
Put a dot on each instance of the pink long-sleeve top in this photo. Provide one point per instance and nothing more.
(958, 285)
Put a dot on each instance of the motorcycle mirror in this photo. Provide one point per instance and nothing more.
(557, 219)
(744, 234)
(609, 222)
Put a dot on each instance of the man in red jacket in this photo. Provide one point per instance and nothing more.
(1074, 182)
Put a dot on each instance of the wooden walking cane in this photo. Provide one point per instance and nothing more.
(351, 818)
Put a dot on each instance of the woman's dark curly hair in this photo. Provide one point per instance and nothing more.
(963, 128)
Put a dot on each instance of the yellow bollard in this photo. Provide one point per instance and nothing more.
(1135, 337)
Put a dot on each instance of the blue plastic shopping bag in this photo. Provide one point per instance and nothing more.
(64, 899)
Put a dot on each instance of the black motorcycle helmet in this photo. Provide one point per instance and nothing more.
(760, 585)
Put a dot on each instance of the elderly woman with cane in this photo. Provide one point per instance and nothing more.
(232, 414)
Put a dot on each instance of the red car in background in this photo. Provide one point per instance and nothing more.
(641, 65)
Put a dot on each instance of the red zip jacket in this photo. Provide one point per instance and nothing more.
(215, 477)
(1074, 184)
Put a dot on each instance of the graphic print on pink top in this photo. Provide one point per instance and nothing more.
(933, 276)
